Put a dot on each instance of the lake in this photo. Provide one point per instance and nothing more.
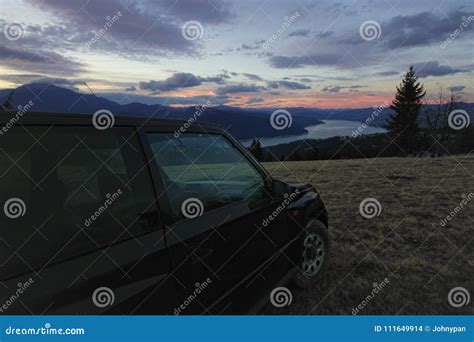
(330, 128)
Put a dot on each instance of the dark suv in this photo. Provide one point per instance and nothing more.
(146, 216)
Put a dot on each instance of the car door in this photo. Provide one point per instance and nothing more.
(80, 231)
(216, 201)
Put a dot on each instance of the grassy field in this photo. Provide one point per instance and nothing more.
(406, 244)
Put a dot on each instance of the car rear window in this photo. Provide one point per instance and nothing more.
(65, 191)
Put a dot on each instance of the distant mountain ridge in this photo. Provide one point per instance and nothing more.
(242, 123)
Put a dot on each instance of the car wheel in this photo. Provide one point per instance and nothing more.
(315, 247)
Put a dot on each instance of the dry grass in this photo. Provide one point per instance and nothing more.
(406, 244)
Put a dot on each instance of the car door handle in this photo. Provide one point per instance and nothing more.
(202, 254)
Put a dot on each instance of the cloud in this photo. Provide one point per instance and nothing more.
(58, 81)
(125, 98)
(62, 82)
(433, 68)
(324, 34)
(421, 29)
(387, 73)
(204, 11)
(281, 62)
(457, 89)
(48, 37)
(349, 50)
(252, 77)
(136, 28)
(337, 88)
(287, 85)
(239, 88)
(37, 79)
(20, 78)
(337, 78)
(254, 100)
(47, 62)
(299, 33)
(411, 30)
(332, 89)
(180, 80)
(248, 47)
(131, 88)
(326, 78)
(219, 79)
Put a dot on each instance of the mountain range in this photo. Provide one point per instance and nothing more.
(242, 123)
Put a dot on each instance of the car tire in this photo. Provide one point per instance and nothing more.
(315, 251)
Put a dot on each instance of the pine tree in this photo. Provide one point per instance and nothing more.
(256, 149)
(403, 124)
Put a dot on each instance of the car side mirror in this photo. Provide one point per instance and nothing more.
(268, 182)
(279, 188)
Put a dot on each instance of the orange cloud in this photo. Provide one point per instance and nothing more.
(317, 100)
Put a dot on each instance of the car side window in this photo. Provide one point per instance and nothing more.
(202, 172)
(70, 190)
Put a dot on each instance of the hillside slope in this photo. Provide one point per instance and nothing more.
(407, 244)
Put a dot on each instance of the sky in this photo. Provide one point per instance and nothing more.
(295, 53)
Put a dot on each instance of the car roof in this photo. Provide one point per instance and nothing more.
(41, 118)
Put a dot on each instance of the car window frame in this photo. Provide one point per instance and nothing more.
(158, 175)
